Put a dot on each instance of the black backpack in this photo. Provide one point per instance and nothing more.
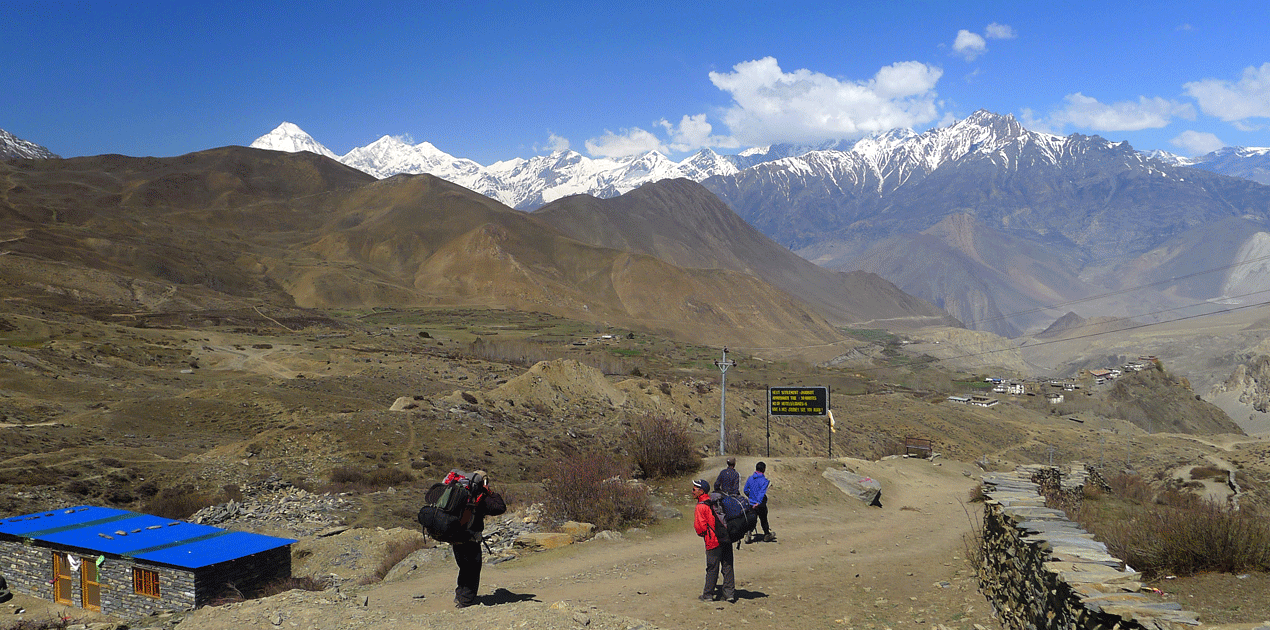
(449, 509)
(739, 516)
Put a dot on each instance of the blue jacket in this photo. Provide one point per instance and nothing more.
(756, 487)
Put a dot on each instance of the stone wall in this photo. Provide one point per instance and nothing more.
(245, 575)
(29, 570)
(1043, 572)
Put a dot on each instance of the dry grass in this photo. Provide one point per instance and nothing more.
(282, 585)
(1166, 532)
(345, 479)
(396, 551)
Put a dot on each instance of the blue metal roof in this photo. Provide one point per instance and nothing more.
(107, 531)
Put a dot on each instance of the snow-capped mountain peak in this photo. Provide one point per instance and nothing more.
(876, 163)
(12, 146)
(292, 139)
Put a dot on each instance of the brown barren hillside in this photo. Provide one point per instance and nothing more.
(684, 224)
(301, 230)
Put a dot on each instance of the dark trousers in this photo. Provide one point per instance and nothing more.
(761, 510)
(721, 555)
(468, 556)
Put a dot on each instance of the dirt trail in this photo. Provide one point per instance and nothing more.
(837, 562)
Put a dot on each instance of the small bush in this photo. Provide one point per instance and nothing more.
(345, 479)
(976, 494)
(593, 489)
(177, 503)
(1174, 533)
(662, 447)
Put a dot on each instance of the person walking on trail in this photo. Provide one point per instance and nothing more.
(756, 492)
(468, 554)
(718, 550)
(729, 480)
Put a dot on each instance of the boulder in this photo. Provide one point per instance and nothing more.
(543, 541)
(864, 488)
(404, 403)
(579, 531)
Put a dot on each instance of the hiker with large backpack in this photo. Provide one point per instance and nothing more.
(710, 523)
(454, 511)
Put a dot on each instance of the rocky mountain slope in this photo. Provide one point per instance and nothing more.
(12, 146)
(1047, 219)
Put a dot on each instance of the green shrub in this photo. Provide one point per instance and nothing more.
(662, 447)
(595, 489)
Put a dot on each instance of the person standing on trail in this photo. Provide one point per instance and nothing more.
(756, 492)
(729, 480)
(468, 554)
(718, 550)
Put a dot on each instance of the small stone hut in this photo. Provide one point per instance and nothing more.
(128, 564)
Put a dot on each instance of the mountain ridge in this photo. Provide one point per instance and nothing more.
(299, 230)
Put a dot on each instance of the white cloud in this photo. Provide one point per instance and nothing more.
(1037, 123)
(1146, 113)
(629, 142)
(771, 106)
(1249, 98)
(999, 31)
(554, 143)
(693, 132)
(969, 45)
(1197, 143)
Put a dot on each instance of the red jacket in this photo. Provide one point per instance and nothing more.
(704, 521)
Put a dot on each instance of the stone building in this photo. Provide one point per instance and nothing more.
(128, 564)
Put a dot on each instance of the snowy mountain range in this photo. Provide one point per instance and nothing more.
(1247, 162)
(882, 161)
(527, 184)
(12, 146)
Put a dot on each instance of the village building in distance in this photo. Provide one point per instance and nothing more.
(1054, 389)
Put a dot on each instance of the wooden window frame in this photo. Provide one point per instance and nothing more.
(145, 582)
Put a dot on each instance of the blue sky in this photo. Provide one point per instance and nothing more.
(492, 80)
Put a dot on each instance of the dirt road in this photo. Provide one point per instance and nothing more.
(837, 562)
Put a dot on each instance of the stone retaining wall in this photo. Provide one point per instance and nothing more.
(1043, 572)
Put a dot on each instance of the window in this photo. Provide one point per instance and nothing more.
(145, 582)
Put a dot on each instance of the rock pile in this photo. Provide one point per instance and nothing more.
(275, 505)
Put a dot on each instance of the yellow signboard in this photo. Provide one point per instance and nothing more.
(798, 401)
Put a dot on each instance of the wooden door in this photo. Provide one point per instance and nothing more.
(62, 584)
(89, 585)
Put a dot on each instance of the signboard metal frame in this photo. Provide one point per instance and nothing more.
(798, 401)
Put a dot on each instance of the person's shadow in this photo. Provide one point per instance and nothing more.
(744, 594)
(504, 596)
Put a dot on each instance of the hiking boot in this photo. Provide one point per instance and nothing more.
(769, 537)
(706, 598)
